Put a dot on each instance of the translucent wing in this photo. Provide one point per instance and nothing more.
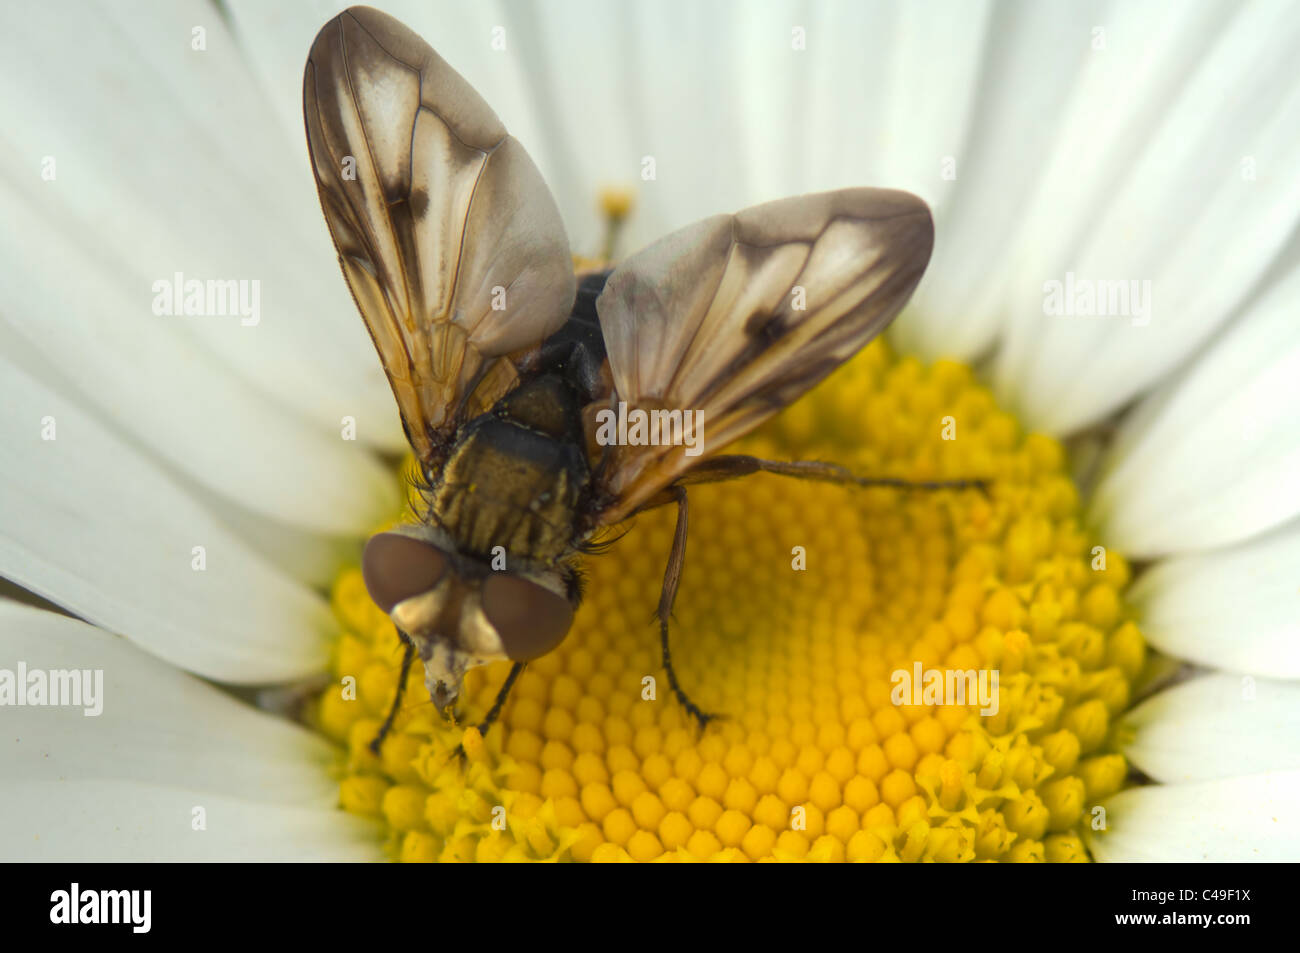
(448, 237)
(738, 315)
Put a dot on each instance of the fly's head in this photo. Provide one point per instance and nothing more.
(457, 611)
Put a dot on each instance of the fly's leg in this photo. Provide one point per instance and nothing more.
(502, 695)
(734, 466)
(497, 705)
(407, 658)
(672, 576)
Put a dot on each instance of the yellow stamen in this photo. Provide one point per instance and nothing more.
(616, 203)
(814, 761)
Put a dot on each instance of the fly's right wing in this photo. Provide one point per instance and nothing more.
(738, 315)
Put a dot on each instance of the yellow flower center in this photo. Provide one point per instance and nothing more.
(905, 675)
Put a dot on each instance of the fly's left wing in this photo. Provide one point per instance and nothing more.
(738, 315)
(448, 237)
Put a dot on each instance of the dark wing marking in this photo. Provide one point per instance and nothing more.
(710, 319)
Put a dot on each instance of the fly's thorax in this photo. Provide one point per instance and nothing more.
(456, 611)
(516, 474)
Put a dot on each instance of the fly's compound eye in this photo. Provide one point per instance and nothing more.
(530, 619)
(396, 567)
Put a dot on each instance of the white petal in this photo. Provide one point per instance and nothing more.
(147, 377)
(1182, 216)
(934, 57)
(1233, 609)
(1218, 726)
(92, 525)
(165, 727)
(307, 557)
(1124, 90)
(123, 784)
(618, 85)
(274, 39)
(1213, 457)
(1255, 818)
(168, 161)
(880, 94)
(97, 821)
(1032, 56)
(801, 98)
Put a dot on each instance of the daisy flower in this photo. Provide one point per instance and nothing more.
(1104, 329)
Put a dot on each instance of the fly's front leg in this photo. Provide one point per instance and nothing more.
(673, 576)
(502, 695)
(497, 705)
(407, 658)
